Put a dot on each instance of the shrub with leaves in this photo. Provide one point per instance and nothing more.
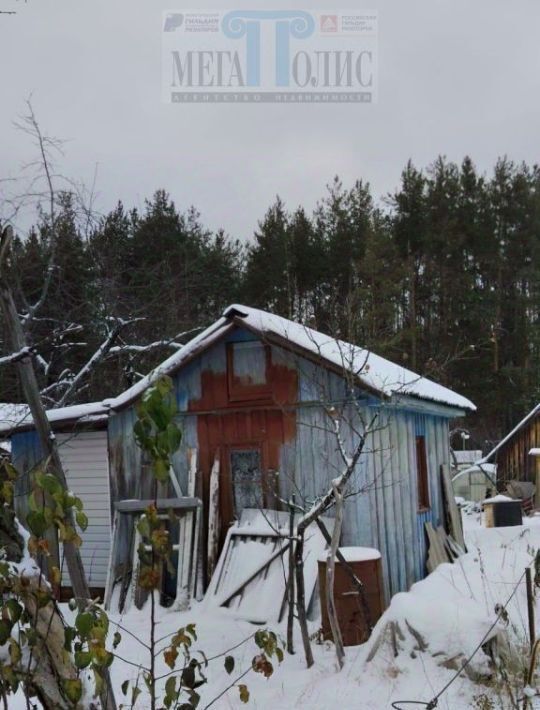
(40, 652)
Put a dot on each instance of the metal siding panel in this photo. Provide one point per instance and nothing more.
(405, 466)
(75, 451)
(393, 456)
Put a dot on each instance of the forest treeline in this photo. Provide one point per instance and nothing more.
(442, 276)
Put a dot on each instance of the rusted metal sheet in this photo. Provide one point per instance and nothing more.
(350, 614)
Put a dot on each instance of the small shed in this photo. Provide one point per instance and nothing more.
(501, 511)
(512, 454)
(257, 396)
(81, 433)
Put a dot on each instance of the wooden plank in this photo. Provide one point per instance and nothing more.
(213, 517)
(195, 523)
(453, 512)
(185, 556)
(255, 558)
(261, 568)
(436, 553)
(198, 543)
(111, 572)
(139, 506)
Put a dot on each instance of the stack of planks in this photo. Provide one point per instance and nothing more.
(445, 546)
(442, 547)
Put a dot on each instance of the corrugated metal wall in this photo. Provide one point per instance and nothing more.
(384, 514)
(86, 465)
(84, 456)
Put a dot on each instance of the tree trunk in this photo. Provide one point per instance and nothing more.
(301, 596)
(27, 377)
(330, 577)
(290, 589)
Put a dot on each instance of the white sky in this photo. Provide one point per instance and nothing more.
(455, 77)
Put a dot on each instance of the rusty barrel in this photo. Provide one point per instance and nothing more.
(366, 564)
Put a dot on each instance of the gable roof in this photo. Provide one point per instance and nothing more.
(531, 415)
(374, 372)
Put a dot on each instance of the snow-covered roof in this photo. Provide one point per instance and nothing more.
(488, 469)
(172, 363)
(467, 456)
(20, 417)
(500, 499)
(373, 371)
(12, 415)
(518, 427)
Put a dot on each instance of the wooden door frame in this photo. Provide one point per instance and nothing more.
(227, 498)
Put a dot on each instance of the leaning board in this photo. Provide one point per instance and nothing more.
(251, 575)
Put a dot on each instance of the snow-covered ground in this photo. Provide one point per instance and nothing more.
(452, 610)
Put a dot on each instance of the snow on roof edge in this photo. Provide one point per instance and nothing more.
(90, 412)
(504, 440)
(374, 371)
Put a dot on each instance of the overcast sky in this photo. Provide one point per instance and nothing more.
(455, 77)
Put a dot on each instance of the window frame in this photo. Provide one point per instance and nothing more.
(239, 392)
(422, 475)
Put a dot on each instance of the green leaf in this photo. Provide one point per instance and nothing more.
(170, 691)
(116, 639)
(13, 609)
(84, 623)
(73, 689)
(125, 687)
(143, 526)
(14, 652)
(194, 698)
(36, 522)
(49, 483)
(10, 470)
(161, 469)
(82, 659)
(82, 520)
(244, 693)
(174, 436)
(191, 630)
(134, 695)
(229, 664)
(69, 636)
(142, 431)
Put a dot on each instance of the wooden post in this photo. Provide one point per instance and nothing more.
(29, 384)
(290, 588)
(530, 606)
(213, 518)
